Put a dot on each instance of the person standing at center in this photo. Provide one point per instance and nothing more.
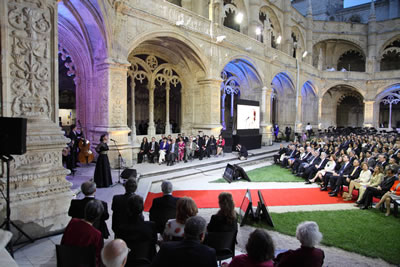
(102, 173)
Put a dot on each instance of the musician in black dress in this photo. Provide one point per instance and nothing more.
(102, 173)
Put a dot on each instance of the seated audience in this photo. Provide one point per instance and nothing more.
(329, 168)
(379, 191)
(115, 253)
(392, 194)
(307, 255)
(144, 149)
(277, 156)
(260, 251)
(119, 205)
(164, 146)
(344, 171)
(181, 149)
(190, 251)
(77, 208)
(172, 153)
(174, 228)
(220, 145)
(137, 232)
(81, 233)
(213, 145)
(153, 149)
(163, 208)
(363, 179)
(225, 220)
(191, 148)
(346, 179)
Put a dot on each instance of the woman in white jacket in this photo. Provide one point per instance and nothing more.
(329, 167)
(363, 179)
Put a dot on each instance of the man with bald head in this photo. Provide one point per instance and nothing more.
(115, 253)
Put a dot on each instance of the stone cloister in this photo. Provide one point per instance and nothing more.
(182, 64)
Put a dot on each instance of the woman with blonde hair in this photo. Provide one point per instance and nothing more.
(174, 228)
(363, 179)
(376, 179)
(225, 220)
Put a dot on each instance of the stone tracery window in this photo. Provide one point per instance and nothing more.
(351, 60)
(390, 59)
(229, 14)
(229, 87)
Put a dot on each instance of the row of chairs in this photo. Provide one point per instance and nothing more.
(141, 254)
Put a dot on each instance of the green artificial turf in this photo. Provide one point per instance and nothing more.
(272, 173)
(369, 233)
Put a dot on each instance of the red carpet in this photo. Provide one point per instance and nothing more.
(272, 197)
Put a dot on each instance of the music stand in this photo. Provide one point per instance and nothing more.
(7, 221)
(120, 159)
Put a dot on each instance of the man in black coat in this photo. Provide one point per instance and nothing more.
(77, 208)
(190, 251)
(345, 180)
(242, 152)
(153, 149)
(344, 171)
(163, 208)
(119, 206)
(310, 172)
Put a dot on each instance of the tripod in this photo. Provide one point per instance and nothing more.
(120, 159)
(7, 221)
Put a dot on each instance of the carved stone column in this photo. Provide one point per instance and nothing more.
(152, 129)
(266, 126)
(369, 113)
(320, 125)
(40, 194)
(167, 124)
(133, 111)
(111, 109)
(207, 105)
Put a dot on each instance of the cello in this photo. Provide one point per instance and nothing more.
(85, 155)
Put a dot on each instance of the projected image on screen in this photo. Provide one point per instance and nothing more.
(248, 117)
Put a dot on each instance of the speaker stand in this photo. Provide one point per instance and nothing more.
(120, 159)
(7, 221)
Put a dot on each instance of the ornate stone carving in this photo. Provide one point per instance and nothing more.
(30, 60)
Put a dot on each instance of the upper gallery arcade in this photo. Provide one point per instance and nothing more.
(134, 68)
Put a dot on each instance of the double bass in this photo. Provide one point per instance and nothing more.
(85, 155)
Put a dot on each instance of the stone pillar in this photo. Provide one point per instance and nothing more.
(215, 11)
(187, 4)
(167, 124)
(253, 18)
(320, 126)
(111, 109)
(223, 110)
(40, 194)
(133, 111)
(287, 42)
(152, 129)
(369, 113)
(207, 105)
(266, 126)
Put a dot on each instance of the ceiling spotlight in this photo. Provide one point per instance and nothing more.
(279, 39)
(220, 38)
(258, 31)
(305, 54)
(179, 23)
(248, 48)
(239, 18)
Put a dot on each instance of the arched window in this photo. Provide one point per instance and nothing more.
(390, 59)
(351, 61)
(230, 13)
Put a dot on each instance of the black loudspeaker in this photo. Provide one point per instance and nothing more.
(129, 173)
(240, 173)
(12, 136)
(229, 173)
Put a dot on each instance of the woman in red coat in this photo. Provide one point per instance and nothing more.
(220, 144)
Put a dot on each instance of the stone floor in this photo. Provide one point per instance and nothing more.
(191, 175)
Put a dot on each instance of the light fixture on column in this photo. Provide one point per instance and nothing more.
(305, 54)
(179, 22)
(239, 18)
(220, 38)
(279, 39)
(258, 31)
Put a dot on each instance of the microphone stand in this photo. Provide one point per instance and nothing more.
(119, 161)
(7, 221)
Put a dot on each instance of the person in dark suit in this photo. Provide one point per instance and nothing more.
(172, 153)
(225, 220)
(242, 152)
(288, 132)
(77, 208)
(190, 251)
(205, 149)
(74, 136)
(163, 208)
(307, 255)
(153, 149)
(144, 149)
(344, 171)
(313, 169)
(343, 180)
(314, 159)
(139, 235)
(277, 156)
(119, 206)
(82, 233)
